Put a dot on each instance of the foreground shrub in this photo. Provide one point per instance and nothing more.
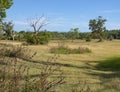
(66, 50)
(15, 51)
(15, 77)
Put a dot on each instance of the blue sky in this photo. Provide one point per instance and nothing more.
(64, 14)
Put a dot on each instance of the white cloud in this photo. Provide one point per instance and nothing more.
(59, 24)
(60, 21)
(65, 24)
(20, 23)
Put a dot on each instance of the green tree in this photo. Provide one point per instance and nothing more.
(7, 27)
(73, 33)
(4, 4)
(97, 27)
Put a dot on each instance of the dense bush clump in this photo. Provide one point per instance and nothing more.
(88, 38)
(40, 38)
(36, 39)
(66, 50)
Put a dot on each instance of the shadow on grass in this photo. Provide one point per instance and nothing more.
(108, 72)
(105, 75)
(111, 64)
(57, 63)
(109, 68)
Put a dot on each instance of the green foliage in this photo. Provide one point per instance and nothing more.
(88, 38)
(83, 35)
(66, 50)
(114, 33)
(37, 39)
(60, 50)
(111, 64)
(32, 39)
(73, 33)
(7, 27)
(4, 4)
(97, 27)
(110, 37)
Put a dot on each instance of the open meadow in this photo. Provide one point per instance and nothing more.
(80, 71)
(59, 46)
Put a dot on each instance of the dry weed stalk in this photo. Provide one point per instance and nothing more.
(12, 78)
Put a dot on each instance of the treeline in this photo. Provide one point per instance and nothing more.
(44, 36)
(37, 36)
(54, 35)
(114, 33)
(23, 35)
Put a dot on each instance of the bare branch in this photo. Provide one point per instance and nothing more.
(38, 23)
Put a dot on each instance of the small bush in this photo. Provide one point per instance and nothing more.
(60, 50)
(37, 39)
(88, 38)
(110, 38)
(66, 50)
(14, 51)
(33, 39)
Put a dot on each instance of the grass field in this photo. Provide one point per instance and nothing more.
(80, 70)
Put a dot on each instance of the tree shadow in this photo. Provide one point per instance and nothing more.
(109, 68)
(57, 63)
(108, 73)
(110, 64)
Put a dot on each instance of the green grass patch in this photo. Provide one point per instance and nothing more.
(112, 64)
(66, 50)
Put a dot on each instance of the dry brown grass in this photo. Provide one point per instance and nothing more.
(79, 67)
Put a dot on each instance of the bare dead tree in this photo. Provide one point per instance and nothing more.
(38, 23)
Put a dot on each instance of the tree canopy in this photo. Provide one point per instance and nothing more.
(4, 4)
(7, 28)
(73, 33)
(97, 26)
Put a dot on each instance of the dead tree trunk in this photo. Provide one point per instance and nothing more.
(38, 23)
